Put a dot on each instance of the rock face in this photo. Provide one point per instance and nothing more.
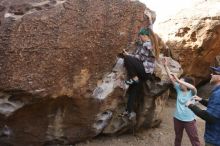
(194, 38)
(56, 79)
(147, 108)
(63, 47)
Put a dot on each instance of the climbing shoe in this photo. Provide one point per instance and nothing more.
(132, 116)
(130, 82)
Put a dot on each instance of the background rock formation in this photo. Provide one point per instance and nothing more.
(194, 38)
(55, 55)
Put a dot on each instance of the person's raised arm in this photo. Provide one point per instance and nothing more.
(171, 76)
(188, 85)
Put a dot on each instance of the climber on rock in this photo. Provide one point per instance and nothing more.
(140, 67)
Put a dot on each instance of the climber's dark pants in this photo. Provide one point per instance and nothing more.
(134, 68)
(134, 92)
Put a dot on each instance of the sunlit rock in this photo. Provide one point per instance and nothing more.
(193, 36)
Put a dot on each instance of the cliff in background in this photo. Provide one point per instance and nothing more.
(193, 36)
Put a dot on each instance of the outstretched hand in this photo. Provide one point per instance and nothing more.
(197, 98)
(189, 102)
(125, 52)
(174, 77)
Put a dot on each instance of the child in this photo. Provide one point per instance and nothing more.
(184, 118)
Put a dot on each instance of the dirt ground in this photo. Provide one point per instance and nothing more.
(161, 136)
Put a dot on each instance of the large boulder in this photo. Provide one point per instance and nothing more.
(56, 78)
(63, 47)
(28, 119)
(111, 92)
(193, 36)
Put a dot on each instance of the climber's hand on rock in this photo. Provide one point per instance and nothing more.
(125, 52)
(174, 77)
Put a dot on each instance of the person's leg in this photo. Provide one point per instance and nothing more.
(178, 128)
(133, 92)
(192, 133)
(131, 97)
(135, 68)
(129, 64)
(136, 72)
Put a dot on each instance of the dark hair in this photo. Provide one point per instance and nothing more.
(189, 80)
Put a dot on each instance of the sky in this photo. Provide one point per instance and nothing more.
(166, 8)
